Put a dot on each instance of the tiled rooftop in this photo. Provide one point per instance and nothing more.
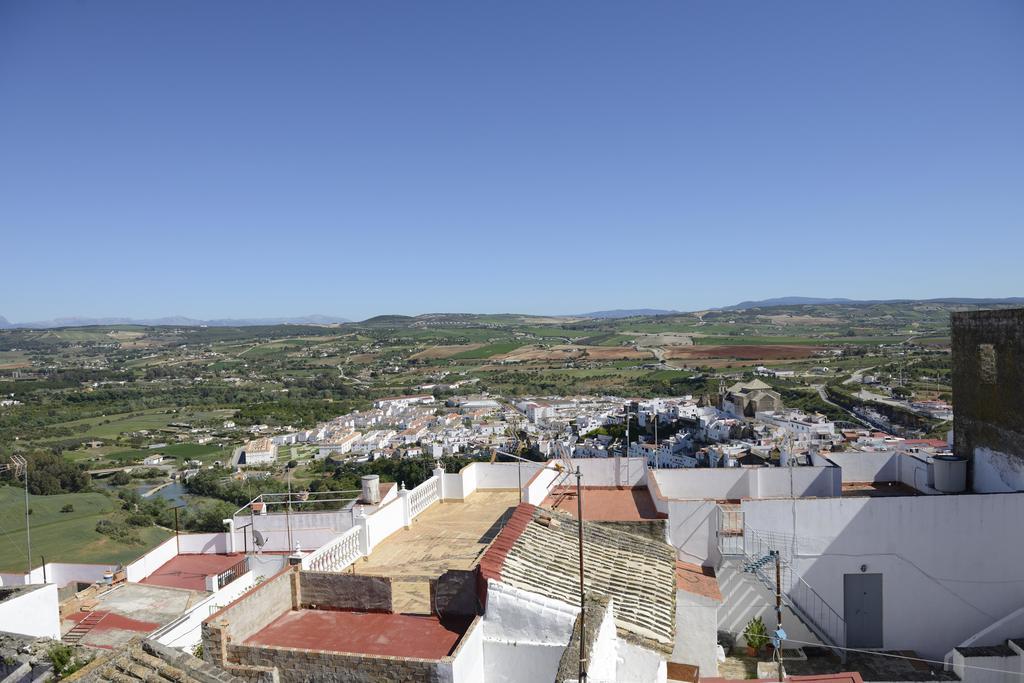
(605, 504)
(538, 552)
(395, 635)
(697, 580)
(146, 660)
(190, 571)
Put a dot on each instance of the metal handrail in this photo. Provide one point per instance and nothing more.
(798, 594)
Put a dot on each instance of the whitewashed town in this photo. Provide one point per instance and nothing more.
(732, 537)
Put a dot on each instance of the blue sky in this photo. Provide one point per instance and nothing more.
(240, 159)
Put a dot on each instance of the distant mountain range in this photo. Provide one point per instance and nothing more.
(385, 320)
(174, 321)
(810, 300)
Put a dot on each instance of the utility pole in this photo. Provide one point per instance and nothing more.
(657, 451)
(778, 613)
(28, 526)
(177, 539)
(288, 508)
(583, 605)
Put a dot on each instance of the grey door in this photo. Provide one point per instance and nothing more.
(862, 596)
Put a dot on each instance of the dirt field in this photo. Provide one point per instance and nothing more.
(665, 339)
(765, 352)
(437, 352)
(800, 320)
(616, 353)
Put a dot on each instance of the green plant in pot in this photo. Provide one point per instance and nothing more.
(756, 635)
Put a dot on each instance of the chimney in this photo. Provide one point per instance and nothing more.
(371, 489)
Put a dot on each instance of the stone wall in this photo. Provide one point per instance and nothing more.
(988, 392)
(454, 593)
(651, 529)
(246, 616)
(295, 666)
(325, 590)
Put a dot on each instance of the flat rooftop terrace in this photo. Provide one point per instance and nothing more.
(449, 535)
(394, 635)
(877, 489)
(445, 536)
(605, 504)
(126, 611)
(190, 571)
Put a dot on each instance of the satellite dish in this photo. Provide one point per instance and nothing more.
(259, 539)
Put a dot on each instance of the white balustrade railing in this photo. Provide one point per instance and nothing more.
(424, 495)
(337, 554)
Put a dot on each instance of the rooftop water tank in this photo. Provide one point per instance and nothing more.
(371, 489)
(950, 473)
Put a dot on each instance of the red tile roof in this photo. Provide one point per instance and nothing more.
(697, 580)
(494, 557)
(844, 677)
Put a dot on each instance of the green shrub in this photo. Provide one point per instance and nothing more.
(756, 633)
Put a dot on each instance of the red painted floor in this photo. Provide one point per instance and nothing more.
(605, 505)
(115, 622)
(190, 571)
(395, 635)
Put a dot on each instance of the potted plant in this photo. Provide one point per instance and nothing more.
(756, 635)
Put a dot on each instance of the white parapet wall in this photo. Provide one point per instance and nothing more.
(524, 634)
(734, 483)
(185, 632)
(152, 560)
(32, 611)
(949, 565)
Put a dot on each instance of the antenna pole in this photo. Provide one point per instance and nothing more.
(583, 604)
(28, 527)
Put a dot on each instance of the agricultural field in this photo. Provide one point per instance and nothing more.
(65, 536)
(121, 389)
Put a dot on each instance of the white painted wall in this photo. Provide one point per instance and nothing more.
(524, 634)
(515, 615)
(503, 475)
(453, 487)
(386, 521)
(151, 561)
(996, 472)
(734, 483)
(702, 483)
(63, 573)
(696, 632)
(638, 665)
(692, 525)
(310, 529)
(506, 662)
(867, 466)
(185, 632)
(539, 486)
(950, 564)
(265, 566)
(205, 543)
(467, 665)
(988, 669)
(628, 472)
(1010, 626)
(33, 613)
(604, 653)
(468, 474)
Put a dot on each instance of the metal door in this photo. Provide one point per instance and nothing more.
(862, 595)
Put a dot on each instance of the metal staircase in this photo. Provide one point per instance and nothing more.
(756, 553)
(82, 628)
